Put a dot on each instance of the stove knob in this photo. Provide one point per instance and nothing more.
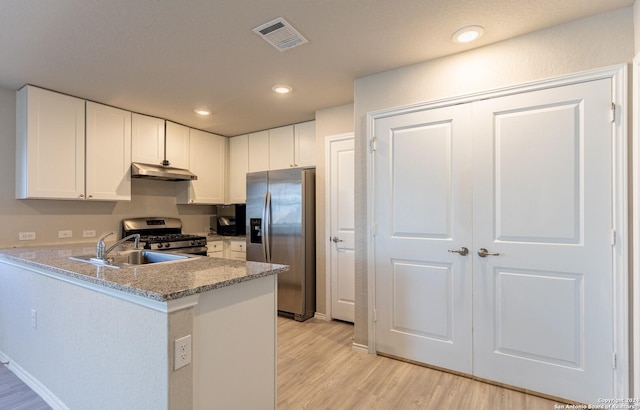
(167, 245)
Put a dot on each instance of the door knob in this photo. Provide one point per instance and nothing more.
(335, 239)
(483, 253)
(462, 251)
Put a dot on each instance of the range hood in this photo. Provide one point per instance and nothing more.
(160, 172)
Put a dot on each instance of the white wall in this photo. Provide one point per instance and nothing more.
(46, 217)
(131, 364)
(599, 41)
(330, 121)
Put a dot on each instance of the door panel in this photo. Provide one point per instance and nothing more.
(543, 307)
(535, 310)
(341, 228)
(423, 210)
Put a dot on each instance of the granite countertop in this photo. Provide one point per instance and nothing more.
(160, 282)
(216, 237)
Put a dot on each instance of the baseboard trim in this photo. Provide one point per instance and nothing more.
(46, 394)
(360, 348)
(321, 316)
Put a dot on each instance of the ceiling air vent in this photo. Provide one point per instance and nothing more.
(280, 34)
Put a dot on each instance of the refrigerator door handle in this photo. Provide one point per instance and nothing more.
(266, 227)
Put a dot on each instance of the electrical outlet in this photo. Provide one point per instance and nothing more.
(65, 234)
(182, 352)
(27, 236)
(90, 233)
(34, 318)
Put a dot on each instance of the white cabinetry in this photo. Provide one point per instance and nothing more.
(259, 151)
(207, 158)
(305, 144)
(147, 139)
(238, 168)
(108, 153)
(177, 142)
(215, 249)
(50, 145)
(237, 250)
(228, 248)
(281, 147)
(52, 138)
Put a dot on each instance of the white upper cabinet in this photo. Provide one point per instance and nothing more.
(208, 161)
(177, 145)
(59, 156)
(108, 153)
(238, 168)
(147, 139)
(259, 151)
(305, 144)
(281, 147)
(50, 145)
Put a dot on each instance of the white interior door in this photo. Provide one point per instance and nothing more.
(422, 212)
(341, 227)
(535, 310)
(543, 307)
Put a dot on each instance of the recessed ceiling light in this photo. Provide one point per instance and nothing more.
(281, 89)
(467, 34)
(202, 111)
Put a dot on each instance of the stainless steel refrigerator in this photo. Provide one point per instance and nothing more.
(281, 229)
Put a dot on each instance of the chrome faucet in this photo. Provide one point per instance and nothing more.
(101, 253)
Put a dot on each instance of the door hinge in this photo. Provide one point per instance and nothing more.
(374, 230)
(375, 315)
(613, 112)
(613, 360)
(613, 237)
(372, 144)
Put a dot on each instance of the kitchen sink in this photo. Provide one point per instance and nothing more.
(134, 257)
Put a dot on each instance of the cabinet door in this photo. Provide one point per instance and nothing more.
(281, 148)
(50, 145)
(238, 168)
(177, 145)
(147, 139)
(108, 155)
(259, 151)
(208, 161)
(305, 144)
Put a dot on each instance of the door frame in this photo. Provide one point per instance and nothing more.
(618, 75)
(327, 220)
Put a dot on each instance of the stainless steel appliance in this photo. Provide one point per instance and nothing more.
(164, 234)
(230, 219)
(280, 228)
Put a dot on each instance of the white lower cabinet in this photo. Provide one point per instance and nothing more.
(215, 249)
(227, 248)
(237, 250)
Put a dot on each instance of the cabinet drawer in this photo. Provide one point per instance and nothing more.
(215, 246)
(237, 246)
(241, 256)
(219, 254)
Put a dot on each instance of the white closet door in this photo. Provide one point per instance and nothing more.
(423, 211)
(543, 307)
(342, 228)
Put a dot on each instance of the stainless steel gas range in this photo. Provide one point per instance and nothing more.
(164, 234)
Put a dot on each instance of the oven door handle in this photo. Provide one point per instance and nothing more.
(266, 227)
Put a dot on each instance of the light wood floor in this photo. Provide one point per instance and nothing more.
(15, 395)
(317, 369)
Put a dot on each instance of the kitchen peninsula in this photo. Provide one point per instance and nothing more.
(87, 336)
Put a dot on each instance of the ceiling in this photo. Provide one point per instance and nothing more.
(165, 57)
